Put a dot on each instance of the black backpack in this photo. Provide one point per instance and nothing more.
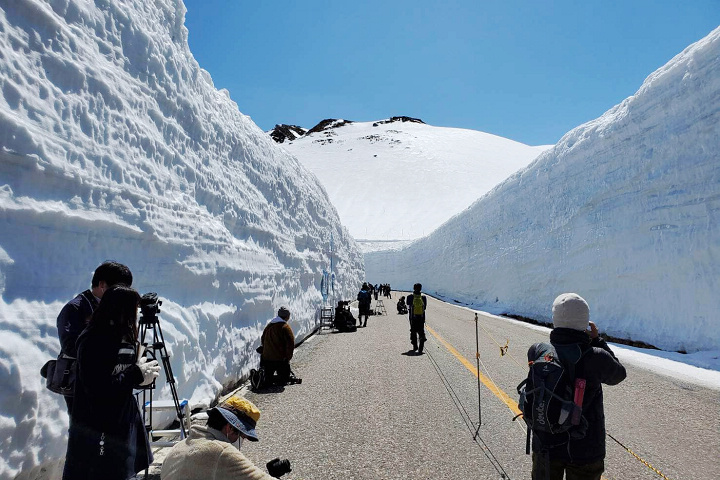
(364, 297)
(551, 395)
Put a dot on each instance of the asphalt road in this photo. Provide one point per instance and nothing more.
(368, 410)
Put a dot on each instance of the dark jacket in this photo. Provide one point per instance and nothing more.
(278, 341)
(409, 300)
(597, 366)
(364, 298)
(107, 435)
(73, 319)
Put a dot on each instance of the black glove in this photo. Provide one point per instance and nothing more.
(277, 468)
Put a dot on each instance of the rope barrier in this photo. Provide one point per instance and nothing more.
(477, 438)
(638, 457)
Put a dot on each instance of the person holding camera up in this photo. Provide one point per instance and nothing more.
(107, 434)
(209, 454)
(75, 315)
(581, 456)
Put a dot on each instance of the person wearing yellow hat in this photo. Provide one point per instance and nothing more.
(209, 453)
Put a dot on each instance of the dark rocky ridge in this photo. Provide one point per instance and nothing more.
(286, 132)
(283, 132)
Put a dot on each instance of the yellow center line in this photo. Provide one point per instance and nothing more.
(511, 404)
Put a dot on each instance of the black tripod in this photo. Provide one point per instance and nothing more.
(149, 322)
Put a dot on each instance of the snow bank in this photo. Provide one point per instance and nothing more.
(624, 210)
(114, 144)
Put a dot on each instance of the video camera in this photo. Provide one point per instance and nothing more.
(149, 307)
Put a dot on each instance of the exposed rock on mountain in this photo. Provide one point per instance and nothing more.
(398, 119)
(327, 124)
(284, 132)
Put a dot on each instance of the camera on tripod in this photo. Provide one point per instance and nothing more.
(153, 343)
(149, 306)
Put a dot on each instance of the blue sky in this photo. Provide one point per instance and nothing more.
(529, 71)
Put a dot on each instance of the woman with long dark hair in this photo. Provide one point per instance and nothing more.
(107, 434)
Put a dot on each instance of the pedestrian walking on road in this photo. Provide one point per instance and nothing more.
(364, 300)
(417, 304)
(576, 343)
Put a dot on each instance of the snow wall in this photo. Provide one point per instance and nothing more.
(624, 210)
(114, 144)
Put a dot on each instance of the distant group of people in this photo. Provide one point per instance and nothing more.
(101, 350)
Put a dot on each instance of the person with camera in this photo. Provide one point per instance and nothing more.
(75, 315)
(401, 307)
(277, 348)
(107, 434)
(209, 453)
(577, 457)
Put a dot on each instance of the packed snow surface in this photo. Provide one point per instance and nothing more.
(624, 210)
(114, 144)
(401, 180)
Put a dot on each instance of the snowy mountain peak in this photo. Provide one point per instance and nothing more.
(283, 132)
(398, 179)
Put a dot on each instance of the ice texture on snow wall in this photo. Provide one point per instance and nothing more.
(624, 210)
(114, 144)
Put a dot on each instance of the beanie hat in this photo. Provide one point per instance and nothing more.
(242, 414)
(283, 313)
(570, 310)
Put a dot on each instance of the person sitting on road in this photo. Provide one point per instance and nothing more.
(401, 307)
(344, 320)
(208, 451)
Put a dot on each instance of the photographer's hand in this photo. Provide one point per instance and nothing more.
(150, 370)
(593, 330)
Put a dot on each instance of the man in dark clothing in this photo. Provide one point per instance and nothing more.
(75, 315)
(417, 304)
(364, 300)
(278, 346)
(584, 458)
(401, 307)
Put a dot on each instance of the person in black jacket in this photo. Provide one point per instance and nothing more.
(364, 298)
(75, 315)
(107, 434)
(417, 304)
(582, 458)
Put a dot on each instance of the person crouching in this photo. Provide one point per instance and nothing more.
(208, 452)
(278, 346)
